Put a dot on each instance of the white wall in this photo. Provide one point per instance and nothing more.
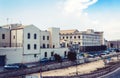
(59, 51)
(13, 55)
(54, 36)
(44, 33)
(32, 30)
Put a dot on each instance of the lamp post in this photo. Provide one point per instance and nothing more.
(40, 57)
(76, 65)
(77, 57)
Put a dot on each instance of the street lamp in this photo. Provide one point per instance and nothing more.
(40, 56)
(76, 65)
(77, 56)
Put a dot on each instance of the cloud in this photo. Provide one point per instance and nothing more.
(77, 6)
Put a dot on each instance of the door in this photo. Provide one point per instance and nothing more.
(2, 60)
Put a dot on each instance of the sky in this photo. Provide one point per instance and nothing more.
(100, 15)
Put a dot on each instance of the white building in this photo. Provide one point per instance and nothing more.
(23, 44)
(83, 38)
(26, 43)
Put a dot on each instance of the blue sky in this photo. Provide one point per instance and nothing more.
(100, 15)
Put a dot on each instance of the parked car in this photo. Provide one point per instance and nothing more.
(103, 53)
(44, 60)
(15, 66)
(107, 52)
(90, 56)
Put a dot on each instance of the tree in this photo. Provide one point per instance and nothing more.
(72, 56)
(57, 58)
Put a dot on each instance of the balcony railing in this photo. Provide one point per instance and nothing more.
(11, 45)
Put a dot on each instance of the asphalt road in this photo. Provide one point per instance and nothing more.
(115, 74)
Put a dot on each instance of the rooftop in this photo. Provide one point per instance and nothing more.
(68, 31)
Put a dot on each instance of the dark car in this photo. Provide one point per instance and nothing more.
(44, 60)
(15, 66)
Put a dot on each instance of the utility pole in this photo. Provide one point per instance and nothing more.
(40, 73)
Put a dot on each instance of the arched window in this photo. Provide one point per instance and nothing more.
(28, 35)
(43, 37)
(3, 36)
(79, 37)
(47, 37)
(35, 36)
(66, 37)
(52, 53)
(44, 46)
(45, 55)
(28, 46)
(35, 46)
(74, 37)
(47, 45)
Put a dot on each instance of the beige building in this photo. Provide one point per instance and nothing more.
(4, 37)
(83, 38)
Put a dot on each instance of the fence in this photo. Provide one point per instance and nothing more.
(37, 69)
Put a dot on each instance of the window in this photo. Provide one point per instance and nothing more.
(52, 53)
(79, 43)
(43, 37)
(28, 35)
(28, 46)
(14, 37)
(35, 46)
(3, 36)
(70, 37)
(79, 37)
(74, 37)
(35, 55)
(67, 45)
(63, 37)
(43, 45)
(47, 37)
(53, 46)
(67, 37)
(45, 55)
(47, 45)
(35, 36)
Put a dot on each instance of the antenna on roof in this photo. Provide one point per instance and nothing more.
(7, 20)
(7, 23)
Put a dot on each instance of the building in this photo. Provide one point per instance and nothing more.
(113, 44)
(83, 38)
(26, 43)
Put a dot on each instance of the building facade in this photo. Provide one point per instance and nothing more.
(83, 38)
(26, 43)
(114, 44)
